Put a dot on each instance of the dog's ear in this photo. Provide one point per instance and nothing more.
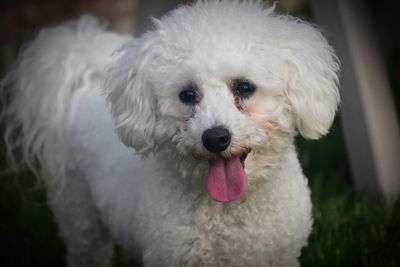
(133, 105)
(312, 82)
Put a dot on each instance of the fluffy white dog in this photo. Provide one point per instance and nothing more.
(210, 100)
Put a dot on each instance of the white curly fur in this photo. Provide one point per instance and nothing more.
(153, 202)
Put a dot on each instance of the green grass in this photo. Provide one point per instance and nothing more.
(350, 230)
(28, 233)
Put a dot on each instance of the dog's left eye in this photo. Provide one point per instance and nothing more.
(243, 88)
(189, 96)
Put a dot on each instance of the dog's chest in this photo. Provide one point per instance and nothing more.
(213, 234)
(176, 223)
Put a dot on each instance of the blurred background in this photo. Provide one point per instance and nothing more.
(353, 172)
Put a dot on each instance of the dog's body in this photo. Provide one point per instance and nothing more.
(159, 206)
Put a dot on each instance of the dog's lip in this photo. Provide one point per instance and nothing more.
(242, 158)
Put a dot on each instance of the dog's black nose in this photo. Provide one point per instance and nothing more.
(216, 139)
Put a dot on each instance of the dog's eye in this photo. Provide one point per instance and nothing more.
(243, 88)
(189, 96)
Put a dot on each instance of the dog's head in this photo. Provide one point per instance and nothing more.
(220, 79)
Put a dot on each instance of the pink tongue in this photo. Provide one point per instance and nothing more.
(226, 180)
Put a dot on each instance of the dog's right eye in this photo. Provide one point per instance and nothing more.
(243, 88)
(189, 96)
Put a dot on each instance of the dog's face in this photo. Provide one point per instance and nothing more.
(227, 83)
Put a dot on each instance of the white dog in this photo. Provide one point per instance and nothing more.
(210, 100)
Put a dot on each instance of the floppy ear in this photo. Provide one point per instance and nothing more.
(312, 88)
(131, 99)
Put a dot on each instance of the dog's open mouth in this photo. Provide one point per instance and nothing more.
(226, 179)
